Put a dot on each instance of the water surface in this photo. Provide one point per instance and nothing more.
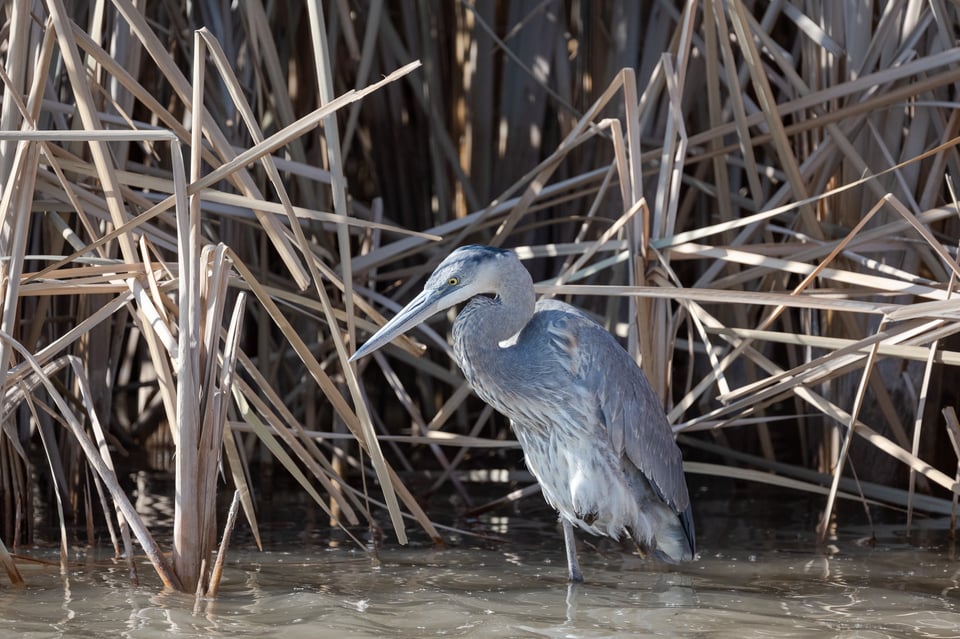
(759, 574)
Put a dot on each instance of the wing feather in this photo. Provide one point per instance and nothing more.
(627, 404)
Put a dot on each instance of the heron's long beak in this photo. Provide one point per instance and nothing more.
(420, 309)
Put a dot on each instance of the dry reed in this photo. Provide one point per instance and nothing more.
(181, 216)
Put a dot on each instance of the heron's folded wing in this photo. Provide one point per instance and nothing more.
(628, 406)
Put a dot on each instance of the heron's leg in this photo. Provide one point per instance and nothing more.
(573, 564)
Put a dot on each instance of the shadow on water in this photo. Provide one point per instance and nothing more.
(759, 574)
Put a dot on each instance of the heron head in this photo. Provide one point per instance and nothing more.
(465, 273)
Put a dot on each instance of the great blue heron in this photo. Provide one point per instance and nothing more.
(592, 429)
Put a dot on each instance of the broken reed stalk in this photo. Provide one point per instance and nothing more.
(216, 574)
(953, 431)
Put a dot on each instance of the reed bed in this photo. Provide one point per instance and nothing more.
(203, 211)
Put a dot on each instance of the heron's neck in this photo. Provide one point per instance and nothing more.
(486, 322)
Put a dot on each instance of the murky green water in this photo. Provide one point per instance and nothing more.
(759, 575)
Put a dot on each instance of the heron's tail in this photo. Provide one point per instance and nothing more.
(659, 529)
(673, 536)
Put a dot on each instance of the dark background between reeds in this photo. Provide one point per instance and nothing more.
(840, 118)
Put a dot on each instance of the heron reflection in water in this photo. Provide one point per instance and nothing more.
(592, 430)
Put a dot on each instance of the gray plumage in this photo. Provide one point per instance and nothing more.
(592, 430)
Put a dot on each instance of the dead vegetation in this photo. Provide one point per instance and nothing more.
(755, 196)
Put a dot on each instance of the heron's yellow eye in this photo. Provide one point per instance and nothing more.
(453, 281)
